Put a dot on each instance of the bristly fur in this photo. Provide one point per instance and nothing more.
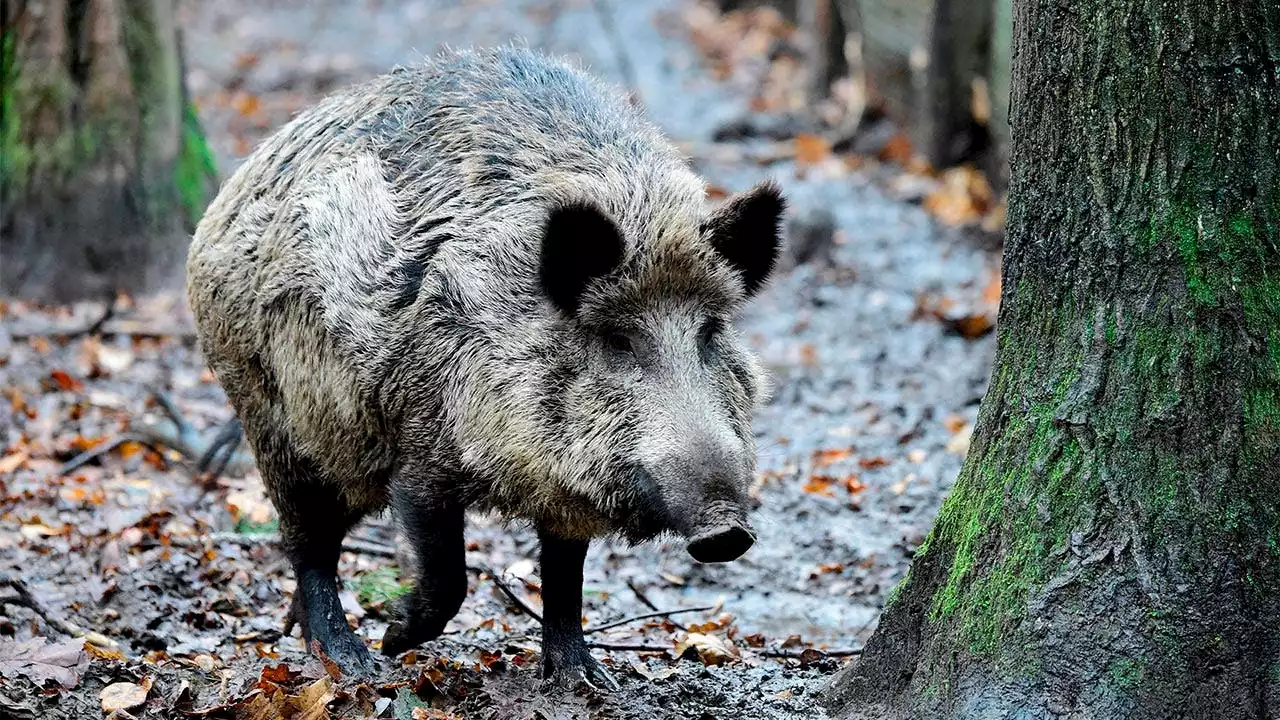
(369, 290)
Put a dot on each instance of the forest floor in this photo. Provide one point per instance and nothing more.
(877, 335)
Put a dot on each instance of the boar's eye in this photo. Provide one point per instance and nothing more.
(619, 343)
(707, 335)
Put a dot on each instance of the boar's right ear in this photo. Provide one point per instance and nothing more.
(579, 244)
(746, 231)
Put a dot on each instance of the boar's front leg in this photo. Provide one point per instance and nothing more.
(313, 521)
(434, 526)
(565, 657)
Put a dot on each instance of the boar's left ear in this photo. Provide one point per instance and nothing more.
(745, 230)
(579, 244)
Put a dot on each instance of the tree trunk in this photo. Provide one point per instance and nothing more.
(1112, 546)
(921, 58)
(103, 168)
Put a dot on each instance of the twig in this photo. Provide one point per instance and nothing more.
(649, 603)
(92, 328)
(799, 655)
(646, 616)
(362, 547)
(26, 599)
(629, 647)
(519, 601)
(105, 447)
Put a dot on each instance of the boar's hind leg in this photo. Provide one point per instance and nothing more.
(434, 527)
(313, 520)
(565, 657)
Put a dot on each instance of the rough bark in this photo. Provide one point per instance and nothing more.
(1112, 545)
(103, 168)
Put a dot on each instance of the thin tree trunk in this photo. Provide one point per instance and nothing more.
(1112, 545)
(103, 168)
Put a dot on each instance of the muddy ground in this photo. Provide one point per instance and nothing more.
(878, 343)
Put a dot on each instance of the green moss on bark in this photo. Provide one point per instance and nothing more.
(195, 173)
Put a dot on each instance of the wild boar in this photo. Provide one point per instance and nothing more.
(484, 282)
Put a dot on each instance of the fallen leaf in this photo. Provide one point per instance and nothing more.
(954, 423)
(811, 149)
(113, 359)
(65, 381)
(962, 198)
(330, 667)
(823, 458)
(41, 661)
(278, 674)
(710, 649)
(991, 291)
(123, 696)
(872, 462)
(12, 461)
(901, 486)
(971, 326)
(312, 703)
(854, 485)
(820, 485)
(897, 150)
(959, 443)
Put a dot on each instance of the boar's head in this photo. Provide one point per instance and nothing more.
(655, 389)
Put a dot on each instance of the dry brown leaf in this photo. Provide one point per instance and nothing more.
(820, 485)
(12, 461)
(962, 198)
(991, 291)
(124, 695)
(65, 382)
(823, 458)
(953, 423)
(872, 462)
(854, 485)
(971, 326)
(421, 713)
(278, 674)
(959, 443)
(897, 150)
(312, 703)
(711, 649)
(812, 149)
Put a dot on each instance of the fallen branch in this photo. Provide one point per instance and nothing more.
(26, 599)
(107, 446)
(627, 647)
(519, 601)
(646, 616)
(362, 547)
(62, 336)
(799, 654)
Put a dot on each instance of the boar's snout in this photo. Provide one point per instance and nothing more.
(704, 484)
(721, 543)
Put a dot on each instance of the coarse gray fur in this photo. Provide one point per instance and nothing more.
(369, 289)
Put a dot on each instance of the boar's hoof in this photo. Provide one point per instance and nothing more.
(349, 652)
(581, 670)
(404, 635)
(720, 544)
